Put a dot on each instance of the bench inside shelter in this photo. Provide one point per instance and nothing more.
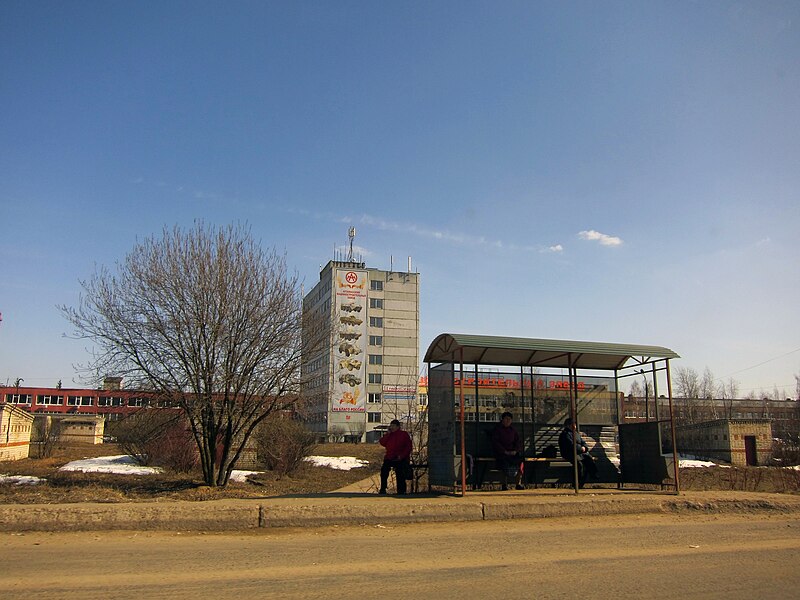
(542, 463)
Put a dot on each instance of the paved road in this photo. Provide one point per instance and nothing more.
(646, 556)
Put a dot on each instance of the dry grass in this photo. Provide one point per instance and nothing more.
(65, 487)
(749, 479)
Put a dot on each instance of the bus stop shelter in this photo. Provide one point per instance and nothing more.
(473, 379)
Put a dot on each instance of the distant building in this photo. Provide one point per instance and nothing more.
(113, 404)
(783, 414)
(82, 430)
(740, 442)
(15, 432)
(361, 334)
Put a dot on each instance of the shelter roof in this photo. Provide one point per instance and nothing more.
(508, 351)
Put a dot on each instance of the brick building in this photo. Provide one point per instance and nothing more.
(740, 442)
(15, 432)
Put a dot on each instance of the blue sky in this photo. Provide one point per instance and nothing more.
(623, 171)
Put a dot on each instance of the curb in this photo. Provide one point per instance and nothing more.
(369, 509)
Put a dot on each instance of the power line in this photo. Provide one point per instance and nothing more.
(761, 387)
(759, 364)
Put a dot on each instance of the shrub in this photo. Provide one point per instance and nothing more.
(282, 444)
(158, 438)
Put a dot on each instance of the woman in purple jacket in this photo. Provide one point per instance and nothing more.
(507, 447)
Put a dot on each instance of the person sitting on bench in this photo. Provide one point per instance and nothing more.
(566, 443)
(507, 447)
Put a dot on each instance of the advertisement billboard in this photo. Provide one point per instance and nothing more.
(350, 342)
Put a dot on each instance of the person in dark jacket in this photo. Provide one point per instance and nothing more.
(507, 447)
(398, 456)
(567, 446)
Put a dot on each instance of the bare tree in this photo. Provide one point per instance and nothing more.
(706, 392)
(207, 319)
(687, 384)
(355, 431)
(728, 391)
(50, 436)
(707, 385)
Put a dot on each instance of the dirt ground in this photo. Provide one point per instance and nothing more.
(66, 487)
(640, 556)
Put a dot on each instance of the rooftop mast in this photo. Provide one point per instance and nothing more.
(351, 233)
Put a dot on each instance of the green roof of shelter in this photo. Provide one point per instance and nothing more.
(509, 351)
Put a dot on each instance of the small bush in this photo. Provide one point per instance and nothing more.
(282, 444)
(158, 438)
(175, 449)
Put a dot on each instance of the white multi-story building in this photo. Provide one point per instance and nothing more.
(362, 372)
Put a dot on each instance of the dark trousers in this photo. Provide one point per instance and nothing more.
(509, 468)
(586, 468)
(400, 467)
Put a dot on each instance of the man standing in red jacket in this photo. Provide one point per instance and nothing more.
(398, 456)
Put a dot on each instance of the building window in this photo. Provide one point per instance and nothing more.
(374, 398)
(110, 401)
(375, 378)
(376, 302)
(51, 400)
(373, 417)
(375, 359)
(423, 399)
(376, 321)
(376, 340)
(18, 398)
(79, 401)
(376, 285)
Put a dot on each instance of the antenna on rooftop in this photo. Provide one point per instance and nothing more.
(351, 233)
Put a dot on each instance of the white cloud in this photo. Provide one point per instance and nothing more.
(596, 236)
(415, 229)
(440, 235)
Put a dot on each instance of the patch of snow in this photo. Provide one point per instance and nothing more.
(241, 476)
(342, 463)
(121, 464)
(21, 479)
(688, 462)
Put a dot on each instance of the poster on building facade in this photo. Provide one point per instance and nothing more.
(350, 343)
